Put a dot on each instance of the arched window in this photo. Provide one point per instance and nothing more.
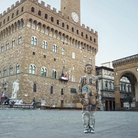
(90, 38)
(57, 22)
(52, 19)
(39, 13)
(54, 74)
(73, 55)
(55, 48)
(21, 24)
(10, 70)
(32, 69)
(46, 16)
(12, 15)
(72, 29)
(34, 41)
(63, 25)
(19, 40)
(32, 9)
(8, 18)
(77, 31)
(7, 46)
(106, 84)
(4, 72)
(43, 71)
(63, 51)
(13, 43)
(17, 68)
(44, 44)
(67, 26)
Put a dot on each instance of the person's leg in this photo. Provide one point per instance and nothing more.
(85, 119)
(92, 121)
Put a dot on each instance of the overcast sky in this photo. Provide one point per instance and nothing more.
(115, 20)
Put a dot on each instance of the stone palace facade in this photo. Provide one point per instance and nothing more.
(45, 50)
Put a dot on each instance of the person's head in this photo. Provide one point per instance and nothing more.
(88, 68)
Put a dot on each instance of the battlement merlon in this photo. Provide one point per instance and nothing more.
(17, 3)
(90, 30)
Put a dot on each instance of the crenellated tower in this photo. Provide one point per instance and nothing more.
(72, 9)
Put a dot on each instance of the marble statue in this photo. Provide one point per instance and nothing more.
(15, 89)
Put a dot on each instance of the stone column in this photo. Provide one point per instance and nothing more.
(136, 93)
(117, 97)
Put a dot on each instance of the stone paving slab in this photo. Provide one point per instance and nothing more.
(65, 124)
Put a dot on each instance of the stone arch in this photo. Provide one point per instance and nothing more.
(126, 67)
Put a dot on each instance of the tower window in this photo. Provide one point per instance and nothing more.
(86, 36)
(90, 38)
(33, 53)
(63, 25)
(22, 9)
(4, 21)
(32, 9)
(52, 19)
(57, 22)
(17, 12)
(39, 13)
(13, 15)
(72, 29)
(8, 18)
(67, 26)
(46, 16)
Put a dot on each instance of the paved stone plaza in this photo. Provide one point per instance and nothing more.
(65, 124)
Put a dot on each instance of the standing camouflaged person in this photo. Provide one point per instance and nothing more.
(87, 87)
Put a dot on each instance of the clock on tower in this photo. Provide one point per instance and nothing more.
(72, 9)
